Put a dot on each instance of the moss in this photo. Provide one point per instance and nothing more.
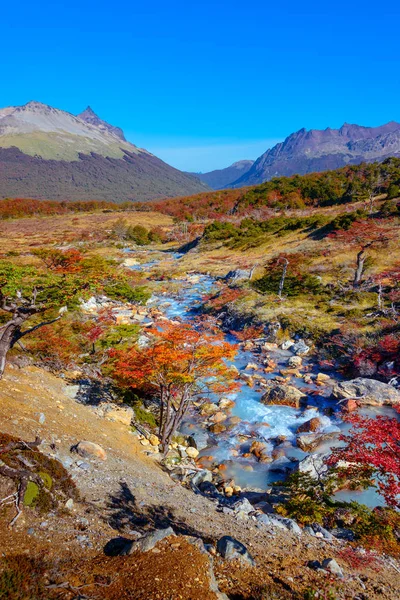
(144, 416)
(57, 482)
(47, 480)
(31, 494)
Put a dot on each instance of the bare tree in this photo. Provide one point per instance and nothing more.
(282, 281)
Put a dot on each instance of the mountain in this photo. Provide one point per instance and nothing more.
(222, 178)
(49, 153)
(320, 150)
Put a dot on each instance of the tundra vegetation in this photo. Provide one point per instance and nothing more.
(319, 255)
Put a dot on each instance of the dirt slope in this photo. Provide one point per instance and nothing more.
(128, 494)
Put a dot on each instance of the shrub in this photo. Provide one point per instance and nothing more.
(121, 290)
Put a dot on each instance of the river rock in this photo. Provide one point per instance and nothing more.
(89, 450)
(232, 549)
(311, 425)
(268, 346)
(367, 392)
(251, 366)
(349, 405)
(192, 452)
(226, 404)
(287, 344)
(217, 428)
(295, 362)
(208, 408)
(300, 348)
(308, 442)
(258, 449)
(283, 394)
(218, 417)
(322, 378)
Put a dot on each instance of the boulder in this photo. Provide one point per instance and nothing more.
(89, 450)
(283, 394)
(232, 549)
(199, 478)
(237, 275)
(367, 392)
(251, 366)
(242, 506)
(154, 440)
(324, 533)
(300, 348)
(349, 405)
(322, 378)
(285, 523)
(146, 542)
(308, 442)
(330, 564)
(218, 417)
(192, 452)
(258, 448)
(287, 344)
(120, 414)
(268, 346)
(311, 425)
(295, 362)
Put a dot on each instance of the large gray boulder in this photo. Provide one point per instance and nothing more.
(147, 542)
(367, 392)
(237, 275)
(231, 549)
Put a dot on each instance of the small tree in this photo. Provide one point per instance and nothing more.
(23, 296)
(372, 452)
(363, 234)
(181, 364)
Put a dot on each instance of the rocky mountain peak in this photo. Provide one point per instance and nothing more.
(89, 116)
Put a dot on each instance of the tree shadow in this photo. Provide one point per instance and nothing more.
(124, 513)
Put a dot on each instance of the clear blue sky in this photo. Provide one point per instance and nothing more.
(202, 84)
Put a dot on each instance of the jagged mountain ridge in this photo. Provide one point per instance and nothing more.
(49, 153)
(306, 151)
(221, 178)
(89, 116)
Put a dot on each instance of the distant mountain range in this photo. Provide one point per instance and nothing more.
(320, 150)
(222, 178)
(49, 153)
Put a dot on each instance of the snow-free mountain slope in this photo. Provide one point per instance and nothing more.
(49, 153)
(320, 150)
(221, 178)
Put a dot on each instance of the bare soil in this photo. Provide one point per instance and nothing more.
(129, 494)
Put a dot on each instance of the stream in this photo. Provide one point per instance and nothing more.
(257, 421)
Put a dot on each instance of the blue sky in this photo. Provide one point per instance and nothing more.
(202, 84)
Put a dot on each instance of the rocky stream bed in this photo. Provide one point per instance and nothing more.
(287, 414)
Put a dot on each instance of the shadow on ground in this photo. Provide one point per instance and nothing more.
(125, 514)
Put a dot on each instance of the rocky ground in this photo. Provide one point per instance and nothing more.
(126, 494)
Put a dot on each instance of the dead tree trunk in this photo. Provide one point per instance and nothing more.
(361, 257)
(282, 281)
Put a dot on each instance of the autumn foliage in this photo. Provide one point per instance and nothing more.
(181, 363)
(372, 451)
